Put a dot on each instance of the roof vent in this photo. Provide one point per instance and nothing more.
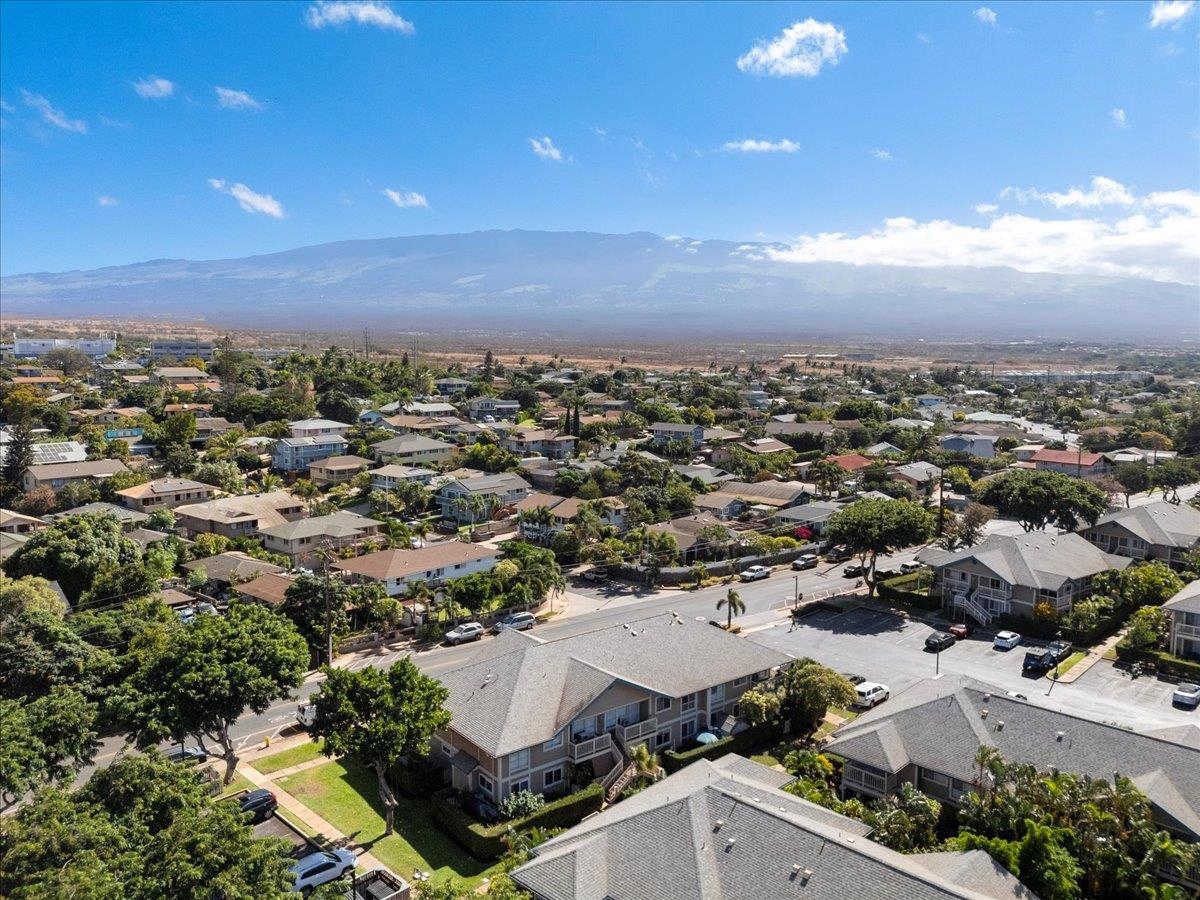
(1000, 725)
(729, 842)
(983, 713)
(1060, 735)
(718, 823)
(987, 697)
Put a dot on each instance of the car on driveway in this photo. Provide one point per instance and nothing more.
(805, 561)
(259, 804)
(960, 630)
(939, 641)
(518, 621)
(869, 694)
(854, 571)
(467, 631)
(316, 869)
(1186, 694)
(1006, 640)
(755, 573)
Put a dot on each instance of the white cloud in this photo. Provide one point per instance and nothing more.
(6, 106)
(1118, 117)
(248, 200)
(106, 200)
(1170, 12)
(1104, 192)
(800, 49)
(544, 148)
(986, 209)
(924, 38)
(882, 155)
(361, 12)
(753, 146)
(154, 87)
(406, 199)
(1158, 240)
(985, 15)
(232, 99)
(52, 115)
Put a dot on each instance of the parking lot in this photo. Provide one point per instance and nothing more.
(890, 649)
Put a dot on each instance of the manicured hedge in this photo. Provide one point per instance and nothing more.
(909, 590)
(1188, 669)
(745, 743)
(486, 842)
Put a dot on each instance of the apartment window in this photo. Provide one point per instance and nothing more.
(485, 785)
(688, 704)
(554, 742)
(522, 785)
(688, 729)
(519, 761)
(738, 682)
(552, 778)
(716, 695)
(662, 704)
(662, 739)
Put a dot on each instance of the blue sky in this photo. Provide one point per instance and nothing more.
(883, 128)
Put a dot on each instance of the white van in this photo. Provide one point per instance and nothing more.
(869, 694)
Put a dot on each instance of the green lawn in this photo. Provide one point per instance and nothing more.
(1066, 665)
(240, 783)
(344, 793)
(293, 756)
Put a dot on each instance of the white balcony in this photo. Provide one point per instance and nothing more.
(586, 748)
(878, 784)
(631, 734)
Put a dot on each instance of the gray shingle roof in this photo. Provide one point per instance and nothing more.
(1165, 524)
(664, 842)
(1038, 559)
(1187, 600)
(518, 691)
(941, 726)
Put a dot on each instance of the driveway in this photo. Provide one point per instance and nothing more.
(890, 649)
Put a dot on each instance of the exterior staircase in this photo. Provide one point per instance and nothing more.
(622, 772)
(972, 607)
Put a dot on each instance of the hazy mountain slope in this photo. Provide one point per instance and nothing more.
(577, 282)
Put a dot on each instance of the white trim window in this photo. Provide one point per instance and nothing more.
(687, 729)
(519, 761)
(552, 778)
(716, 695)
(688, 703)
(662, 739)
(554, 743)
(662, 704)
(738, 682)
(485, 784)
(522, 785)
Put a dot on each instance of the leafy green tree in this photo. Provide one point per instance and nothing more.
(868, 528)
(161, 520)
(41, 652)
(209, 673)
(761, 706)
(73, 551)
(733, 604)
(18, 457)
(1050, 870)
(382, 717)
(142, 829)
(1170, 475)
(905, 821)
(808, 689)
(827, 476)
(1038, 498)
(117, 584)
(304, 604)
(45, 740)
(1134, 478)
(1148, 584)
(223, 474)
(1148, 627)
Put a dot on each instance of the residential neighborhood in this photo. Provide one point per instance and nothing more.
(685, 610)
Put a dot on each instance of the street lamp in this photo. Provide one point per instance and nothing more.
(1054, 671)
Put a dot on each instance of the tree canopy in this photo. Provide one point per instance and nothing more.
(73, 551)
(1038, 498)
(870, 527)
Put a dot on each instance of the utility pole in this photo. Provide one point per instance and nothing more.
(328, 609)
(941, 505)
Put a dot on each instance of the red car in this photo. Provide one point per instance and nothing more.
(960, 630)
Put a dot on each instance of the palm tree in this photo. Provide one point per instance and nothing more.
(305, 489)
(733, 604)
(267, 482)
(418, 592)
(644, 760)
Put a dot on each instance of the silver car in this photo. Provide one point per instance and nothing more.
(312, 871)
(467, 631)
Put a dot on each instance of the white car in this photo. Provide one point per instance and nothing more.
(312, 871)
(1006, 640)
(868, 694)
(755, 573)
(1187, 694)
(518, 621)
(467, 631)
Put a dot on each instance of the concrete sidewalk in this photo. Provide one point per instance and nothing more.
(1093, 656)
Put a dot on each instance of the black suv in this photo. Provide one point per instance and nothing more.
(259, 804)
(939, 641)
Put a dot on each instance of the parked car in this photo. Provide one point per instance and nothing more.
(1187, 694)
(467, 631)
(868, 694)
(852, 571)
(306, 714)
(838, 554)
(960, 630)
(190, 755)
(187, 614)
(258, 804)
(1006, 640)
(1039, 659)
(312, 871)
(517, 621)
(755, 573)
(852, 678)
(939, 641)
(909, 567)
(597, 573)
(805, 561)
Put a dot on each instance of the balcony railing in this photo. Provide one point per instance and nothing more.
(589, 747)
(1186, 630)
(639, 730)
(857, 779)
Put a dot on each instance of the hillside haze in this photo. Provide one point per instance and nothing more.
(578, 283)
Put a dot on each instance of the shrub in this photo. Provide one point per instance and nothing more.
(745, 743)
(486, 842)
(430, 632)
(520, 804)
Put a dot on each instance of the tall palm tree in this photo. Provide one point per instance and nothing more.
(418, 592)
(733, 604)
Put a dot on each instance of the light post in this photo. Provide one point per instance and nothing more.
(1054, 671)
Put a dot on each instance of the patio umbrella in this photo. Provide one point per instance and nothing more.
(706, 737)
